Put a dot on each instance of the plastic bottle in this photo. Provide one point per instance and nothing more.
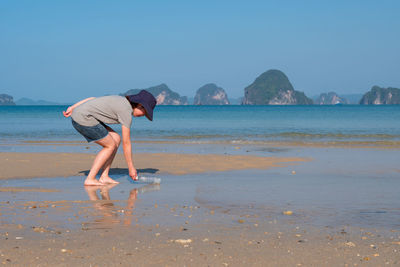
(149, 180)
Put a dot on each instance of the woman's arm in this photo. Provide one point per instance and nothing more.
(127, 146)
(69, 110)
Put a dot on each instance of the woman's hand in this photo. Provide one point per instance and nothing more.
(133, 174)
(68, 112)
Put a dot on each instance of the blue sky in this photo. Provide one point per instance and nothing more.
(67, 50)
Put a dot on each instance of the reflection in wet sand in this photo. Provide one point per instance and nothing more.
(107, 213)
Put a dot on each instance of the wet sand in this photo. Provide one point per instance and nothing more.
(210, 210)
(145, 229)
(30, 165)
(24, 189)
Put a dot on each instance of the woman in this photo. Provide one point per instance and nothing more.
(89, 118)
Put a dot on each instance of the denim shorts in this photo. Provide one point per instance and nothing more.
(91, 133)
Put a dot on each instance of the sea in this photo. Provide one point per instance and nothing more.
(220, 124)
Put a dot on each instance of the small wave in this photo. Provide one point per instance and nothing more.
(336, 135)
(288, 143)
(284, 136)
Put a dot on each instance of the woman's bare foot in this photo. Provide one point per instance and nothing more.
(107, 180)
(92, 182)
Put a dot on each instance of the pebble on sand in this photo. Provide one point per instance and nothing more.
(350, 244)
(183, 241)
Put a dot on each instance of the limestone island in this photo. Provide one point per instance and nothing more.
(381, 96)
(273, 88)
(163, 94)
(6, 100)
(330, 98)
(211, 94)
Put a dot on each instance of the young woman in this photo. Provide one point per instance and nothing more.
(89, 118)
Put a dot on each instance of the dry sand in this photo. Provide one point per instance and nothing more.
(30, 165)
(207, 238)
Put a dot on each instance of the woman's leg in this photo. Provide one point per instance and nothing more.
(105, 178)
(109, 146)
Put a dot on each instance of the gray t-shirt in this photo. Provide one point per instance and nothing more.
(107, 109)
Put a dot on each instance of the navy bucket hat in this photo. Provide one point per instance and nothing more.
(145, 99)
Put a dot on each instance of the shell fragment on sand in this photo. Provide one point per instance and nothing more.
(288, 212)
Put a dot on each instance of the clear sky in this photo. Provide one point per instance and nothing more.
(67, 50)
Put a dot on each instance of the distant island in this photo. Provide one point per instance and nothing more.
(270, 88)
(6, 100)
(273, 88)
(163, 94)
(381, 96)
(210, 94)
(29, 102)
(330, 98)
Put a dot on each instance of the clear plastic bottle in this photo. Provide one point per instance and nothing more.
(149, 180)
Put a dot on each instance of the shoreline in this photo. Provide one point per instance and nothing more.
(362, 144)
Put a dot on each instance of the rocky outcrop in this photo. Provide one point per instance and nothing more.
(381, 96)
(6, 100)
(210, 94)
(163, 94)
(330, 98)
(273, 88)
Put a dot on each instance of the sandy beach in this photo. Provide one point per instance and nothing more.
(249, 243)
(30, 165)
(210, 210)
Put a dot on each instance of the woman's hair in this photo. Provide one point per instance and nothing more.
(133, 104)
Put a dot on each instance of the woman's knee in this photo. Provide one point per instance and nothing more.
(107, 142)
(116, 137)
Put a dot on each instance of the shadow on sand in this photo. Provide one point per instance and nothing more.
(125, 171)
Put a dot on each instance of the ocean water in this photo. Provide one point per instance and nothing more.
(219, 123)
(203, 124)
